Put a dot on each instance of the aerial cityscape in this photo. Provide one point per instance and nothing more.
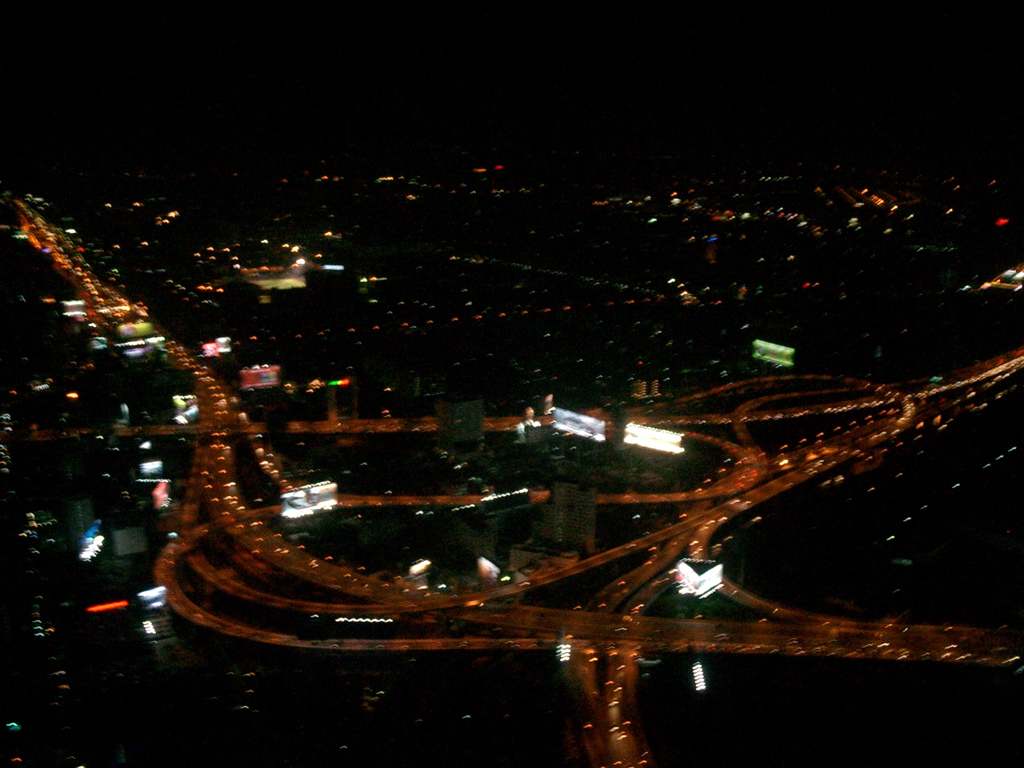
(401, 388)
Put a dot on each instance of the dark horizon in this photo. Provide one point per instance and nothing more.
(173, 89)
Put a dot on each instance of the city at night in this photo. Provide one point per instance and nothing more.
(474, 385)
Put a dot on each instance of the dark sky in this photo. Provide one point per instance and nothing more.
(846, 83)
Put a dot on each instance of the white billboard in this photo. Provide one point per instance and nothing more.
(651, 437)
(689, 582)
(299, 502)
(151, 468)
(74, 308)
(153, 599)
(487, 570)
(579, 424)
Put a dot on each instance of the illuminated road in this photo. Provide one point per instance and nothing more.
(229, 572)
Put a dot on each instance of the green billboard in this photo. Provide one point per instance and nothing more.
(773, 353)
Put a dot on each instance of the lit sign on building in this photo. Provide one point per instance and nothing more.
(262, 376)
(487, 570)
(419, 567)
(153, 599)
(74, 308)
(773, 353)
(219, 346)
(138, 348)
(135, 330)
(309, 499)
(579, 424)
(689, 582)
(151, 468)
(656, 439)
(91, 542)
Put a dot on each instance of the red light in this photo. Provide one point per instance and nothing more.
(107, 606)
(499, 167)
(1002, 222)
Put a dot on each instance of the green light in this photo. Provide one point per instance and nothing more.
(773, 353)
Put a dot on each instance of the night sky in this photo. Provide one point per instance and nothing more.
(844, 84)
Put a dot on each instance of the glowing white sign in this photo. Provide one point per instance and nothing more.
(691, 583)
(656, 439)
(308, 499)
(153, 598)
(579, 424)
(420, 566)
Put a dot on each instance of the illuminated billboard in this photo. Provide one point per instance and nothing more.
(135, 330)
(656, 439)
(419, 567)
(487, 570)
(260, 376)
(689, 582)
(151, 468)
(219, 346)
(74, 308)
(91, 542)
(308, 499)
(153, 599)
(141, 348)
(773, 353)
(579, 424)
(181, 402)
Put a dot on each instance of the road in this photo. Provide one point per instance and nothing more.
(226, 558)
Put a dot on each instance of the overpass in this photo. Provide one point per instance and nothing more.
(278, 581)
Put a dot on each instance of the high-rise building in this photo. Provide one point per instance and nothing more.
(570, 519)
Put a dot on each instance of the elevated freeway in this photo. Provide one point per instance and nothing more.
(254, 567)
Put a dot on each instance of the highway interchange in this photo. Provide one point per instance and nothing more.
(227, 571)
